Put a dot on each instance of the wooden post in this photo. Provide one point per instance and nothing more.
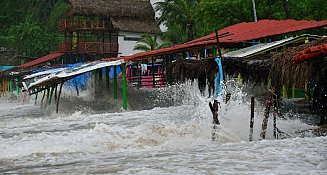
(100, 74)
(76, 88)
(115, 82)
(36, 98)
(48, 95)
(58, 98)
(55, 95)
(266, 116)
(52, 89)
(251, 119)
(275, 105)
(284, 91)
(124, 86)
(43, 97)
(275, 125)
(153, 78)
(214, 110)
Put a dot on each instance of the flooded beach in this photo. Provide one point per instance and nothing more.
(175, 139)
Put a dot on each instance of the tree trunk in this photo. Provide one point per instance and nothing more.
(287, 12)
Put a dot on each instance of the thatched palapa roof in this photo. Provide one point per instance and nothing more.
(126, 15)
(285, 72)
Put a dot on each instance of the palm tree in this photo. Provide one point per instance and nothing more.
(178, 12)
(148, 43)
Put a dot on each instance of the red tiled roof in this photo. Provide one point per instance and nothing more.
(41, 60)
(310, 52)
(247, 31)
(238, 33)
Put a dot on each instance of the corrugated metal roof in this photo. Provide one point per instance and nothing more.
(248, 51)
(46, 58)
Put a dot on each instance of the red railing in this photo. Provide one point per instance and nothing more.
(83, 24)
(93, 47)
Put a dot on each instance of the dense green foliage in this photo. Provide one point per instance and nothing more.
(30, 26)
(207, 16)
(148, 43)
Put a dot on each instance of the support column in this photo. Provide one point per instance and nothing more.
(115, 82)
(107, 77)
(36, 98)
(214, 53)
(52, 89)
(17, 88)
(251, 120)
(124, 86)
(11, 86)
(44, 92)
(153, 78)
(58, 98)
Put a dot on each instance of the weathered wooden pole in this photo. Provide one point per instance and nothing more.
(76, 88)
(266, 116)
(251, 120)
(275, 125)
(124, 86)
(275, 105)
(44, 92)
(48, 96)
(55, 95)
(58, 98)
(153, 76)
(100, 74)
(36, 98)
(52, 89)
(115, 82)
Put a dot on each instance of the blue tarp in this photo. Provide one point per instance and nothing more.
(3, 68)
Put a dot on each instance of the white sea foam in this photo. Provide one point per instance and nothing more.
(166, 140)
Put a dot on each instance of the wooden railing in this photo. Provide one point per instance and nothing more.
(83, 24)
(93, 47)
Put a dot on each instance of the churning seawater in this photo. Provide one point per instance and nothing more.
(164, 140)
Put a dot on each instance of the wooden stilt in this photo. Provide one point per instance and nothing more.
(48, 96)
(76, 88)
(214, 109)
(55, 95)
(58, 98)
(266, 116)
(52, 89)
(275, 104)
(44, 92)
(36, 98)
(251, 120)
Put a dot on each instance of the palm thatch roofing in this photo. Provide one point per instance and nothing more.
(285, 72)
(126, 15)
(311, 74)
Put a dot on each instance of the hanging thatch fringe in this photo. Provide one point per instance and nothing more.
(255, 69)
(202, 70)
(311, 74)
(285, 72)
